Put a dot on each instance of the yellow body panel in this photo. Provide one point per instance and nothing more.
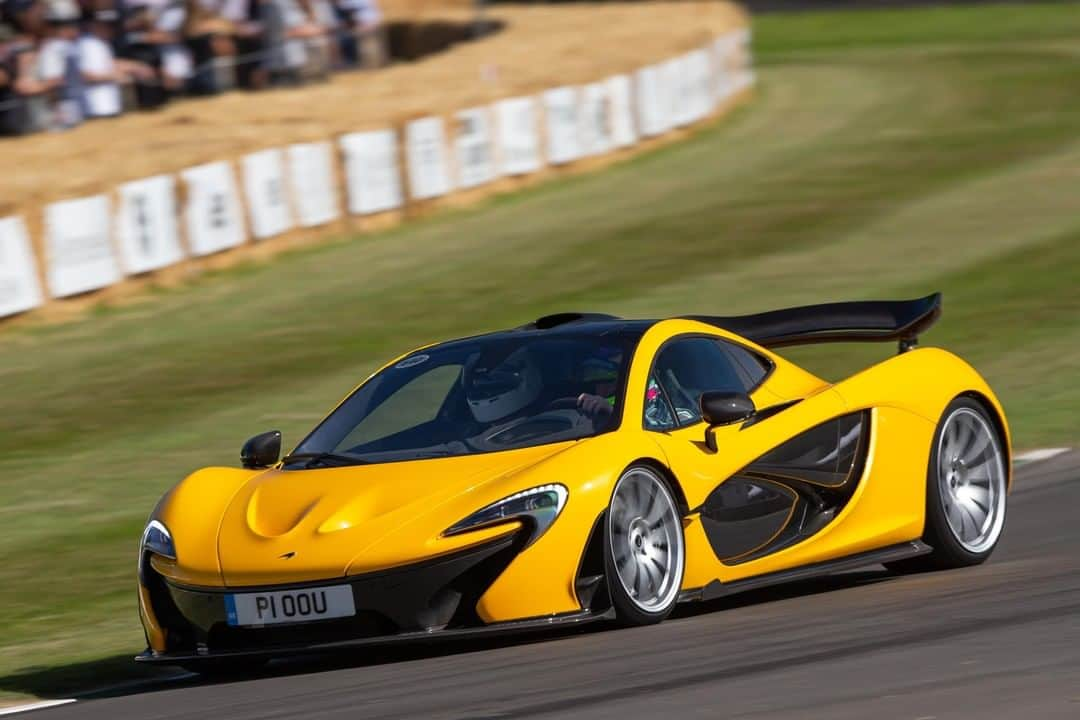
(233, 528)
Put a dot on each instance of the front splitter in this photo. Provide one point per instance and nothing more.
(511, 627)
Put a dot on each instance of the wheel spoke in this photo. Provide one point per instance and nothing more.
(647, 514)
(978, 447)
(646, 542)
(971, 492)
(979, 496)
(954, 515)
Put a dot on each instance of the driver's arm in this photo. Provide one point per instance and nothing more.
(595, 406)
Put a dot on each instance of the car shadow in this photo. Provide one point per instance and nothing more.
(119, 675)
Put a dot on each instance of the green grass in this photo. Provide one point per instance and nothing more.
(886, 154)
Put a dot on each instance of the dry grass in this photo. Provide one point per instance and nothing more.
(540, 47)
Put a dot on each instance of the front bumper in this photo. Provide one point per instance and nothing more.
(422, 601)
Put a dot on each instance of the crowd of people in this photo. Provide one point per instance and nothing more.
(63, 62)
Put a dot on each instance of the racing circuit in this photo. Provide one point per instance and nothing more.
(883, 153)
(997, 641)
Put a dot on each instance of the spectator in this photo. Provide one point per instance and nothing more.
(53, 73)
(361, 35)
(26, 105)
(152, 35)
(290, 26)
(249, 37)
(102, 73)
(58, 63)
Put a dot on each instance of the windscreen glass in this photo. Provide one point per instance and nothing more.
(487, 394)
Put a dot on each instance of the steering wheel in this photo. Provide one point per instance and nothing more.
(566, 403)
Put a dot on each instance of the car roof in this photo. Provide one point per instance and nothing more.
(566, 325)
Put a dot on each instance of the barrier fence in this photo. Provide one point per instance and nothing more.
(89, 244)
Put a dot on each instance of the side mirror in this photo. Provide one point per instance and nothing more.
(262, 450)
(723, 408)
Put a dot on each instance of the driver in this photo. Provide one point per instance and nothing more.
(602, 375)
(497, 390)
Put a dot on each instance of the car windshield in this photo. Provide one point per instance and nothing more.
(497, 392)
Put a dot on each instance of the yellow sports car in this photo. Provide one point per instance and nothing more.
(578, 468)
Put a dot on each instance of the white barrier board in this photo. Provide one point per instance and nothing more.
(595, 119)
(623, 131)
(561, 114)
(146, 228)
(311, 181)
(80, 253)
(264, 190)
(699, 71)
(473, 145)
(648, 101)
(213, 215)
(371, 171)
(723, 85)
(677, 96)
(19, 287)
(425, 149)
(518, 139)
(744, 58)
(734, 63)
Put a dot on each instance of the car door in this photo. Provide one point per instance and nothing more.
(738, 515)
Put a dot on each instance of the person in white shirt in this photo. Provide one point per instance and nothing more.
(102, 73)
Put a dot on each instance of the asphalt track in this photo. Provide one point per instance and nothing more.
(997, 641)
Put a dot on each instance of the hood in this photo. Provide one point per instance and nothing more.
(300, 525)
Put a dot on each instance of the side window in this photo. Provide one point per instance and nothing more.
(687, 367)
(658, 413)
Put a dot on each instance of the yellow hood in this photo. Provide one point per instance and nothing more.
(300, 525)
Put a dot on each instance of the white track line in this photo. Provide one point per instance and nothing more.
(34, 706)
(1039, 454)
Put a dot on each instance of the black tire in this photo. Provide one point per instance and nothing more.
(628, 539)
(949, 549)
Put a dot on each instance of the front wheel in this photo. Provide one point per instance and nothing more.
(644, 549)
(965, 490)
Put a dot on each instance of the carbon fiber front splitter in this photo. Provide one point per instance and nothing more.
(496, 629)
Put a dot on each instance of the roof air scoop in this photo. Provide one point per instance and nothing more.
(548, 322)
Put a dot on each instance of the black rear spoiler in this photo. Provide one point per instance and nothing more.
(870, 321)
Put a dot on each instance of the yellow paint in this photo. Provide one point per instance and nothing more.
(233, 528)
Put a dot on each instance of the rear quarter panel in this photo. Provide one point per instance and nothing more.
(923, 382)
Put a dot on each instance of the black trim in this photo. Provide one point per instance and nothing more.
(494, 630)
(589, 585)
(747, 516)
(872, 320)
(892, 553)
(548, 322)
(767, 412)
(434, 595)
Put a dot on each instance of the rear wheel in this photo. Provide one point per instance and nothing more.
(644, 549)
(965, 492)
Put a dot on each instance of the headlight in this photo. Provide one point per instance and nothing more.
(156, 539)
(540, 505)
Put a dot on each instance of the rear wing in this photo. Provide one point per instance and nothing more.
(863, 321)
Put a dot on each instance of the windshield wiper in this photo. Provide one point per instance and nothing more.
(324, 458)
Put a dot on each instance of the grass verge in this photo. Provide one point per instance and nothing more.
(887, 154)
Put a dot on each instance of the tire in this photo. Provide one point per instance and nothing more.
(644, 547)
(965, 490)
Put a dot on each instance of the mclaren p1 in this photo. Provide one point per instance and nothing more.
(581, 467)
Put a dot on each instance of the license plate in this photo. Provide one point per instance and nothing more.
(289, 606)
